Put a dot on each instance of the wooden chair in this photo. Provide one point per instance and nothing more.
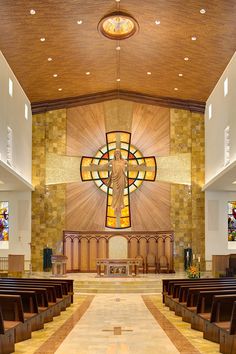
(141, 267)
(151, 265)
(163, 265)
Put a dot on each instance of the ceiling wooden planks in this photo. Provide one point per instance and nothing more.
(76, 49)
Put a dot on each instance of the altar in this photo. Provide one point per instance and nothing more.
(117, 267)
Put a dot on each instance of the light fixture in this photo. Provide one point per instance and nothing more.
(180, 74)
(149, 73)
(176, 88)
(186, 58)
(42, 39)
(118, 25)
(60, 89)
(118, 80)
(202, 11)
(32, 12)
(194, 38)
(118, 48)
(157, 22)
(234, 182)
(55, 75)
(79, 22)
(49, 59)
(88, 73)
(1, 182)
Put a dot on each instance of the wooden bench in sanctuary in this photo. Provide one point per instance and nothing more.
(209, 305)
(7, 337)
(26, 304)
(228, 335)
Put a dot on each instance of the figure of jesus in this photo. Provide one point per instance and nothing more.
(118, 181)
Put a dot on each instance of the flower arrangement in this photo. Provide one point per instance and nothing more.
(193, 272)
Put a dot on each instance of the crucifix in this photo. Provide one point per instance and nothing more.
(118, 168)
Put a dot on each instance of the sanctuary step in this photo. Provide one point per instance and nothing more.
(116, 286)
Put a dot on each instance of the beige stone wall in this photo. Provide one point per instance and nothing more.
(187, 202)
(48, 202)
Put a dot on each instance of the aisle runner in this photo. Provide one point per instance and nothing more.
(117, 324)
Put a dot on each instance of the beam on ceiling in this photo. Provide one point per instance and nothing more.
(193, 106)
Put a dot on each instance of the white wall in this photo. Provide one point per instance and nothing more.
(12, 114)
(19, 223)
(216, 224)
(223, 114)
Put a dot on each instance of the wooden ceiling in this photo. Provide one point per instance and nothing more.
(78, 48)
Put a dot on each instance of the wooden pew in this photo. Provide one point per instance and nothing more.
(7, 338)
(57, 296)
(30, 307)
(228, 335)
(13, 317)
(53, 302)
(66, 283)
(42, 299)
(188, 297)
(204, 307)
(174, 289)
(221, 311)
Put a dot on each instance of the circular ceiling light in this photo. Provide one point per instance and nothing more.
(118, 25)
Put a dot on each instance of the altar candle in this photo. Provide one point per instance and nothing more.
(193, 257)
(199, 259)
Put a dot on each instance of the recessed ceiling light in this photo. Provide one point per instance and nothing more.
(42, 39)
(87, 73)
(194, 38)
(157, 22)
(55, 75)
(202, 11)
(118, 80)
(79, 22)
(117, 0)
(180, 75)
(32, 12)
(118, 47)
(176, 88)
(149, 73)
(186, 58)
(234, 182)
(60, 89)
(49, 59)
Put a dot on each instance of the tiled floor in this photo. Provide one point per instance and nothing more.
(117, 324)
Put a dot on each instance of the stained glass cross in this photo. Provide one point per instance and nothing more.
(139, 169)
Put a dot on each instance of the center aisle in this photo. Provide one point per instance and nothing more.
(117, 324)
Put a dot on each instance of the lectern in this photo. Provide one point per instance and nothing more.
(59, 265)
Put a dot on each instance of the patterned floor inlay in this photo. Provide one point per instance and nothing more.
(117, 331)
(183, 337)
(47, 340)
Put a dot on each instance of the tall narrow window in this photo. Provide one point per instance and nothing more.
(10, 87)
(227, 145)
(210, 111)
(26, 111)
(9, 145)
(226, 87)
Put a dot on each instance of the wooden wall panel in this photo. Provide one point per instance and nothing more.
(133, 248)
(150, 129)
(84, 264)
(93, 245)
(92, 254)
(150, 204)
(85, 129)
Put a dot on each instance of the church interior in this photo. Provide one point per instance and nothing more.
(117, 177)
